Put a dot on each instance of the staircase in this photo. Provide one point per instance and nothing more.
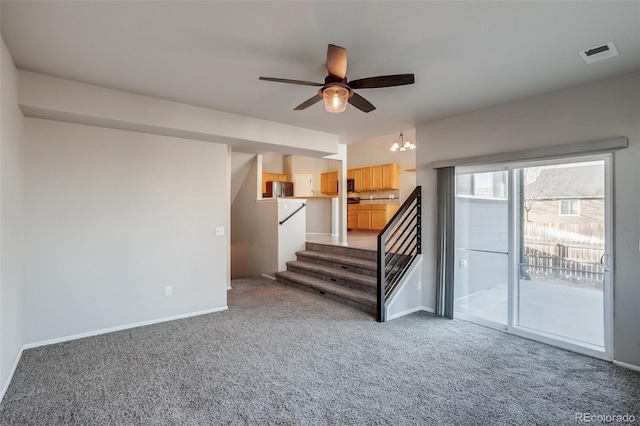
(346, 275)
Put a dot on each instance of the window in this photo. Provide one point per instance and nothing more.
(483, 185)
(569, 207)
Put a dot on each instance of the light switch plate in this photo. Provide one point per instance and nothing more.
(219, 230)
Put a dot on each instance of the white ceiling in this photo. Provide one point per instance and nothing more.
(465, 55)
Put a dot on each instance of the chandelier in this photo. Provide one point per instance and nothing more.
(402, 144)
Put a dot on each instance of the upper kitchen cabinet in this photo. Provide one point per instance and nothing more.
(385, 176)
(357, 179)
(329, 183)
(390, 176)
(376, 177)
(366, 179)
(350, 174)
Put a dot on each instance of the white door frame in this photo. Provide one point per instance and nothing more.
(605, 353)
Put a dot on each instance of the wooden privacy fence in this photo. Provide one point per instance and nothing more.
(567, 252)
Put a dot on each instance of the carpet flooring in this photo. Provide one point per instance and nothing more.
(284, 356)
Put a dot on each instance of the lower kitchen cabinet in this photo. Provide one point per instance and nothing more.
(364, 219)
(378, 216)
(352, 216)
(370, 216)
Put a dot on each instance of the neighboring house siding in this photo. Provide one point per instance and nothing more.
(548, 211)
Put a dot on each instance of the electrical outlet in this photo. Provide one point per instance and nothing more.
(219, 230)
(168, 290)
(419, 285)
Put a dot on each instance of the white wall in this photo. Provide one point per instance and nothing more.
(291, 234)
(252, 230)
(240, 166)
(295, 164)
(376, 151)
(112, 217)
(321, 215)
(11, 220)
(258, 244)
(408, 297)
(273, 162)
(43, 96)
(597, 111)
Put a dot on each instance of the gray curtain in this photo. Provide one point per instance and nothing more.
(446, 216)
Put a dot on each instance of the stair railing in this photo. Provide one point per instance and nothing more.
(399, 243)
(292, 214)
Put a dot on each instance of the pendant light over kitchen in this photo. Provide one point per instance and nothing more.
(402, 144)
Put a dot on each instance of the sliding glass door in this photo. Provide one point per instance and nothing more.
(563, 251)
(533, 251)
(482, 246)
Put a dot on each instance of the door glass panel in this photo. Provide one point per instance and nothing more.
(560, 277)
(482, 261)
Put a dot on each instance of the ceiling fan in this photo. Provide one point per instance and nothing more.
(337, 91)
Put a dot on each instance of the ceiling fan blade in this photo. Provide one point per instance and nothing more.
(337, 61)
(308, 103)
(382, 81)
(361, 103)
(285, 80)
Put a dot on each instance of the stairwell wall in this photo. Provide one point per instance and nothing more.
(254, 238)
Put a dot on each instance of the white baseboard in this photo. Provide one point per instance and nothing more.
(410, 311)
(626, 365)
(119, 328)
(430, 310)
(271, 277)
(322, 234)
(10, 376)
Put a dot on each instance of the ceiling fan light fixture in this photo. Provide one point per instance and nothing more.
(335, 98)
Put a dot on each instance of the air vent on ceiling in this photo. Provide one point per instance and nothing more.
(599, 53)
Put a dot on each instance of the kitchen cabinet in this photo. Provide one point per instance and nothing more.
(370, 216)
(364, 217)
(374, 178)
(329, 183)
(390, 176)
(357, 180)
(351, 174)
(366, 178)
(352, 216)
(271, 177)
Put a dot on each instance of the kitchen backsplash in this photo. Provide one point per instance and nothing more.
(366, 195)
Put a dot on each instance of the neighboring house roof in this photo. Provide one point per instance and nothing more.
(569, 182)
